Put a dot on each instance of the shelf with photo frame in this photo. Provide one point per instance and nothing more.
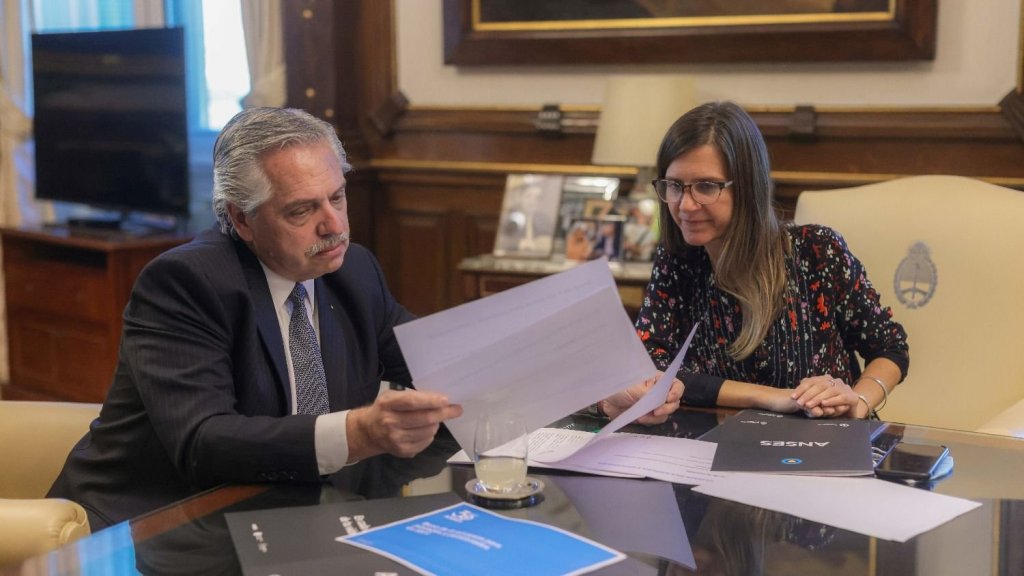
(487, 274)
(574, 218)
(550, 223)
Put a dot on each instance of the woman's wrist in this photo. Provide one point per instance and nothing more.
(863, 410)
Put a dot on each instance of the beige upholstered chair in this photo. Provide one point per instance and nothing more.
(945, 252)
(35, 438)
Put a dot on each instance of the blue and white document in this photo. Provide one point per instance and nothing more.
(466, 539)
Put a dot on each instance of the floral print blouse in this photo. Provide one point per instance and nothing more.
(831, 311)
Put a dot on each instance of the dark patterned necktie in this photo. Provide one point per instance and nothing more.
(310, 382)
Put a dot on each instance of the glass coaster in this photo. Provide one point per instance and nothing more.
(529, 493)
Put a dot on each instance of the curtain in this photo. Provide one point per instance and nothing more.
(149, 13)
(264, 48)
(16, 174)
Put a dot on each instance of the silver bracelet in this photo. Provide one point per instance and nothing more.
(885, 391)
(871, 411)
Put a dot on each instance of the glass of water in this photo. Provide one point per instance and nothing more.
(499, 452)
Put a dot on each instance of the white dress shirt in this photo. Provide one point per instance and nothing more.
(330, 437)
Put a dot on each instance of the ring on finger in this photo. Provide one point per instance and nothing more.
(832, 382)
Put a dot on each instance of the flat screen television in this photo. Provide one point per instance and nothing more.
(111, 121)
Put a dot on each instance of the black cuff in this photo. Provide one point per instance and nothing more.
(701, 389)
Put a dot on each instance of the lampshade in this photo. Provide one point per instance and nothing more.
(636, 113)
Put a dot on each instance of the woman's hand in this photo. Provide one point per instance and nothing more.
(825, 397)
(621, 401)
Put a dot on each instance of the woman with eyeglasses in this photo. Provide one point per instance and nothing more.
(782, 308)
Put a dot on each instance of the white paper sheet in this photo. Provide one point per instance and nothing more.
(678, 460)
(546, 439)
(557, 449)
(543, 350)
(896, 512)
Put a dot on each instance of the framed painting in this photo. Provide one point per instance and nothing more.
(510, 32)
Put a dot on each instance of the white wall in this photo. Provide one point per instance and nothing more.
(975, 65)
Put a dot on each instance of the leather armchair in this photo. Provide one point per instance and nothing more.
(35, 439)
(944, 253)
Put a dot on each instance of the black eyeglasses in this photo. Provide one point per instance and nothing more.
(702, 192)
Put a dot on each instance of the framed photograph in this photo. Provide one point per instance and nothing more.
(579, 240)
(597, 208)
(508, 32)
(581, 194)
(529, 216)
(577, 194)
(640, 232)
(608, 238)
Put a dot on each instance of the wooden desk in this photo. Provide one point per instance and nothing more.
(66, 291)
(485, 275)
(192, 537)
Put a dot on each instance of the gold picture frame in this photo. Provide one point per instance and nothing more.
(477, 32)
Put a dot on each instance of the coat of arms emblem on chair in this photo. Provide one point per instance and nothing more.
(916, 277)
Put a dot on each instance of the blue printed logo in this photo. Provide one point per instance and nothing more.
(792, 461)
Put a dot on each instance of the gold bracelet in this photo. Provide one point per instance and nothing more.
(885, 391)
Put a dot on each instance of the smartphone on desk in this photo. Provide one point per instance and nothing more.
(910, 461)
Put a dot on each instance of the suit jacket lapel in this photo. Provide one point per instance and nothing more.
(266, 319)
(332, 346)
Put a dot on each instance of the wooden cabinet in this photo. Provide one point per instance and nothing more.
(486, 275)
(65, 294)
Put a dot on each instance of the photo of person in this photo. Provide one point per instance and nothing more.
(577, 192)
(608, 241)
(640, 232)
(529, 216)
(579, 241)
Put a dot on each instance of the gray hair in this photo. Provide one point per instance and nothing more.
(238, 175)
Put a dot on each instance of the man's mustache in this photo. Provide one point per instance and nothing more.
(327, 243)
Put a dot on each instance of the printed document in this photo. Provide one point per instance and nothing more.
(467, 539)
(677, 460)
(544, 350)
(896, 512)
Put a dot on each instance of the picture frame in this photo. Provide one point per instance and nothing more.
(608, 239)
(597, 208)
(529, 220)
(577, 194)
(579, 239)
(641, 231)
(617, 32)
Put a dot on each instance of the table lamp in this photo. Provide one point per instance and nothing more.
(635, 114)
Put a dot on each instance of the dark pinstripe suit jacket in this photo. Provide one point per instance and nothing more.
(201, 388)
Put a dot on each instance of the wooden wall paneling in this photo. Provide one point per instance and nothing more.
(309, 52)
(430, 221)
(418, 260)
(424, 167)
(340, 59)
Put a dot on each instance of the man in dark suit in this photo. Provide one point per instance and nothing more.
(211, 386)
